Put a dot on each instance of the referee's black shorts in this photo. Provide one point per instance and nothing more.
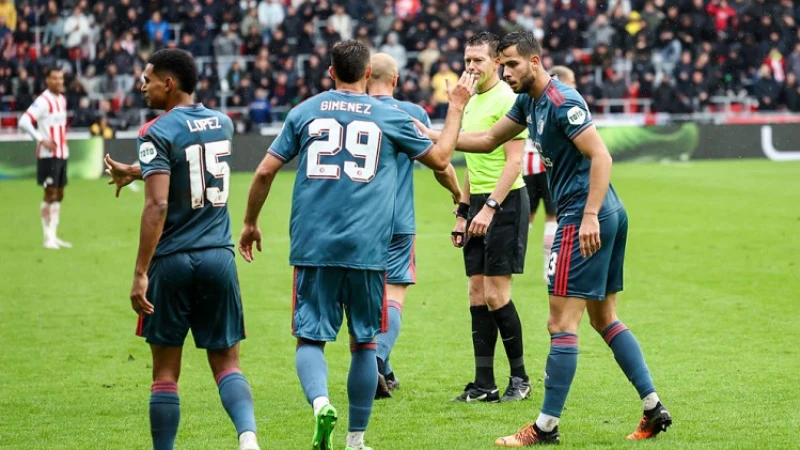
(502, 250)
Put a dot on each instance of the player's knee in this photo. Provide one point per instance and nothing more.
(602, 321)
(561, 324)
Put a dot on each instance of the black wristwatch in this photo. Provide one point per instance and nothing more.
(492, 203)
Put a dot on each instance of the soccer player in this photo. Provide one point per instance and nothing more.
(585, 273)
(494, 208)
(185, 275)
(46, 122)
(402, 266)
(535, 175)
(341, 225)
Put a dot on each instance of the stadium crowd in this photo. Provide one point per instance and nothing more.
(259, 58)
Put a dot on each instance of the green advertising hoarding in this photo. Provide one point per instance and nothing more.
(18, 159)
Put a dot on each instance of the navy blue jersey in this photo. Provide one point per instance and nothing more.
(344, 192)
(404, 220)
(193, 145)
(557, 118)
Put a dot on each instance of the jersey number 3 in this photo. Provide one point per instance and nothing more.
(361, 139)
(198, 165)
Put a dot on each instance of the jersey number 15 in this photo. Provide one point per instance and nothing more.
(198, 165)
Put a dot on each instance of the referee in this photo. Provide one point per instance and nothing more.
(492, 228)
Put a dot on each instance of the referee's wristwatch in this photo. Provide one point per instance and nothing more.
(492, 203)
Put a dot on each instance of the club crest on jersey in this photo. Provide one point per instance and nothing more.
(540, 126)
(576, 115)
(147, 152)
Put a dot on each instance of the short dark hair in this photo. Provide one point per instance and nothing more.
(52, 69)
(350, 59)
(484, 38)
(178, 62)
(524, 40)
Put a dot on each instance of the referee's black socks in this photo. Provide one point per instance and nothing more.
(507, 320)
(484, 339)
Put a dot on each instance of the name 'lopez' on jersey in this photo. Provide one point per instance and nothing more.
(192, 144)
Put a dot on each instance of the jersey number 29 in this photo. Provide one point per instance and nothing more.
(198, 165)
(361, 139)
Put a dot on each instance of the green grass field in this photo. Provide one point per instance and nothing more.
(712, 294)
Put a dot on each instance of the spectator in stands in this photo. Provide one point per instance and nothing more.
(129, 116)
(342, 23)
(102, 128)
(77, 29)
(790, 97)
(9, 14)
(260, 109)
(439, 83)
(766, 89)
(85, 115)
(270, 15)
(393, 48)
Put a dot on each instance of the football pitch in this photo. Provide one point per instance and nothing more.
(711, 292)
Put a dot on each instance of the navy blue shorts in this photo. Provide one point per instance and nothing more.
(197, 290)
(572, 275)
(323, 295)
(402, 267)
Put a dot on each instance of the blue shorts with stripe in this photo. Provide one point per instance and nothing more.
(572, 275)
(402, 267)
(321, 296)
(197, 290)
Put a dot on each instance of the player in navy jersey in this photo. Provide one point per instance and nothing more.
(343, 204)
(402, 265)
(185, 275)
(589, 248)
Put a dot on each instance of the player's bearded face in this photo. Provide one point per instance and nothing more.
(517, 71)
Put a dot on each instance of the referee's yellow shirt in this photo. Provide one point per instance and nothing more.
(482, 111)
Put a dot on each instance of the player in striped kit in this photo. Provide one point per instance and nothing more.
(535, 176)
(46, 122)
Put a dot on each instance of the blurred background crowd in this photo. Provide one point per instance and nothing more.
(259, 58)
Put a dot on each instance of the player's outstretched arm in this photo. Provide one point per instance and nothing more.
(592, 146)
(259, 191)
(156, 199)
(122, 174)
(448, 179)
(485, 141)
(442, 151)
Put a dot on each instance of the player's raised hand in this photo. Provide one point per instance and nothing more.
(589, 235)
(119, 173)
(459, 234)
(480, 223)
(139, 301)
(460, 94)
(250, 234)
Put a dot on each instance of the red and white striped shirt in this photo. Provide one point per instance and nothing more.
(532, 163)
(48, 117)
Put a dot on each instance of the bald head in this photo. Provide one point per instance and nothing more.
(564, 74)
(384, 75)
